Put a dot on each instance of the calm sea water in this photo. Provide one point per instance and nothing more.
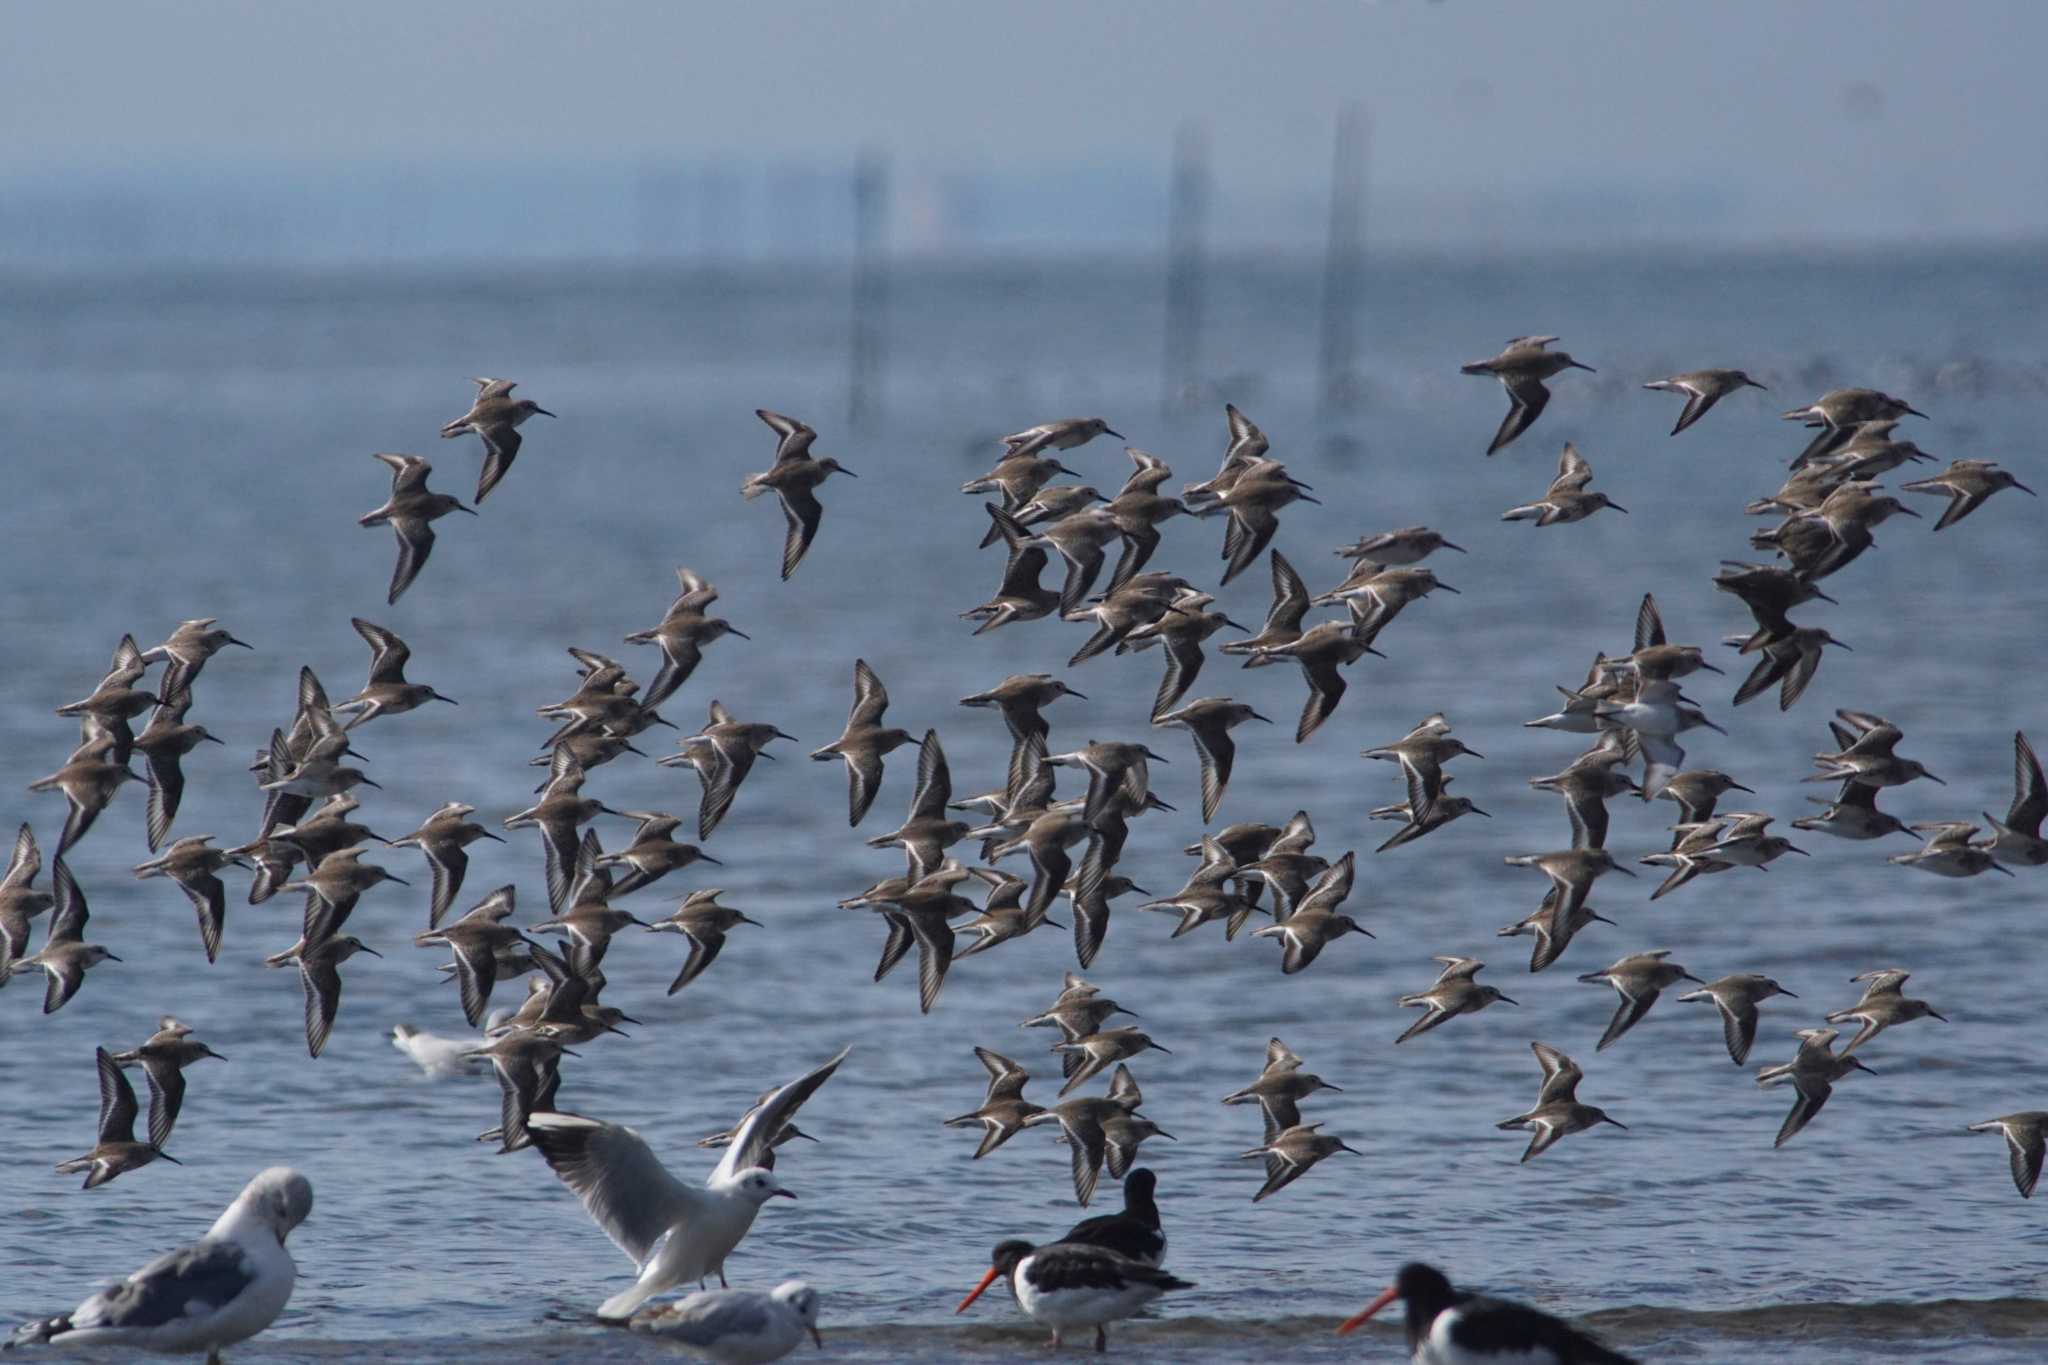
(199, 446)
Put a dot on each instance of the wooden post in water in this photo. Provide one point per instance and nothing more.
(1187, 215)
(1342, 276)
(870, 286)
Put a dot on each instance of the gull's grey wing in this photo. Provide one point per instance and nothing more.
(755, 1134)
(624, 1188)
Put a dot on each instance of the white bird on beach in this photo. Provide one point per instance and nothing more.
(224, 1288)
(675, 1233)
(738, 1326)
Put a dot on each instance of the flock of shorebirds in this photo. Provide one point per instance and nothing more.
(679, 1232)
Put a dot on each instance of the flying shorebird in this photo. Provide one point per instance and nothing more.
(1567, 499)
(1521, 368)
(1702, 389)
(794, 479)
(411, 511)
(496, 417)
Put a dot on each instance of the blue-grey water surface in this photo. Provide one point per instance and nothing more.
(199, 446)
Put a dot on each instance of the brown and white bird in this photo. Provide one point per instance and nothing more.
(496, 417)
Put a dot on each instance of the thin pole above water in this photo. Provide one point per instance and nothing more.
(870, 286)
(1187, 217)
(1343, 275)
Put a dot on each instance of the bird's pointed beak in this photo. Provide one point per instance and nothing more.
(400, 880)
(213, 739)
(372, 782)
(1587, 368)
(1932, 778)
(161, 1154)
(1910, 512)
(848, 472)
(1917, 413)
(1738, 787)
(543, 412)
(246, 645)
(1711, 726)
(1357, 1320)
(2024, 489)
(465, 507)
(366, 948)
(729, 630)
(1794, 848)
(1506, 1001)
(1617, 507)
(975, 1293)
(1712, 669)
(1449, 589)
(112, 958)
(1459, 548)
(1118, 434)
(1477, 811)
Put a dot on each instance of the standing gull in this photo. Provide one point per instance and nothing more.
(224, 1288)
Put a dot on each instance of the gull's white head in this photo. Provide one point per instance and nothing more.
(803, 1301)
(279, 1199)
(759, 1184)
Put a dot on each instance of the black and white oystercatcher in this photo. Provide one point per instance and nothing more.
(1066, 1286)
(1449, 1326)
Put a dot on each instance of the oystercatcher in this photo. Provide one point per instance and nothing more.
(1135, 1232)
(1449, 1326)
(1067, 1286)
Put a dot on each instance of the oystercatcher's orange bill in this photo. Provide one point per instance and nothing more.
(1357, 1320)
(986, 1281)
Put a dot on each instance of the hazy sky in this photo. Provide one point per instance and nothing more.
(1820, 117)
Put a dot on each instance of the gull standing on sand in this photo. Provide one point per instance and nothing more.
(495, 416)
(675, 1233)
(224, 1288)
